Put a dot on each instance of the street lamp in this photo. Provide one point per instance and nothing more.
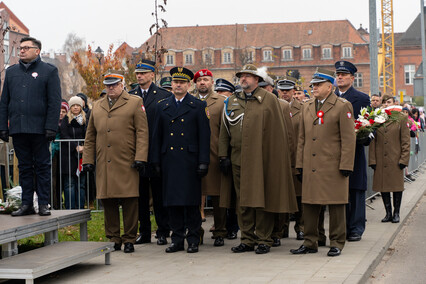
(99, 53)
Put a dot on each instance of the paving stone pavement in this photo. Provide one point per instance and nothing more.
(150, 264)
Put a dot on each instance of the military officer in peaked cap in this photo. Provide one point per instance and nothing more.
(181, 151)
(325, 156)
(117, 139)
(355, 209)
(224, 87)
(253, 131)
(166, 83)
(151, 95)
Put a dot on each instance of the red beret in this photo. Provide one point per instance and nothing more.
(202, 73)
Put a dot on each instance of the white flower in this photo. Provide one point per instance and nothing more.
(363, 111)
(364, 122)
(379, 119)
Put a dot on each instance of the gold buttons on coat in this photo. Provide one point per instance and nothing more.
(181, 134)
(171, 148)
(181, 148)
(173, 121)
(181, 120)
(171, 134)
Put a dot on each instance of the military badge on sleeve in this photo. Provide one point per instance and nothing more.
(207, 112)
(349, 114)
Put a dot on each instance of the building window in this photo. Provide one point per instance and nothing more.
(326, 53)
(267, 55)
(169, 60)
(6, 36)
(409, 71)
(307, 53)
(250, 56)
(287, 54)
(347, 52)
(188, 58)
(358, 80)
(207, 58)
(6, 54)
(227, 57)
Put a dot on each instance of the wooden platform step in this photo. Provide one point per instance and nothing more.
(48, 259)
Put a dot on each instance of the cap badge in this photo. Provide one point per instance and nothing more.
(342, 63)
(180, 69)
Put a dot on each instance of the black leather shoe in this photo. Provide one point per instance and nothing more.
(232, 235)
(143, 240)
(219, 242)
(303, 250)
(161, 241)
(395, 218)
(128, 248)
(117, 246)
(242, 248)
(262, 249)
(174, 248)
(276, 242)
(334, 251)
(24, 210)
(321, 243)
(192, 248)
(43, 210)
(354, 237)
(300, 236)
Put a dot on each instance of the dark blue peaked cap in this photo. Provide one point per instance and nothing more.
(345, 67)
(224, 85)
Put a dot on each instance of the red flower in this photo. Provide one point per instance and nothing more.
(371, 121)
(357, 126)
(388, 112)
(366, 115)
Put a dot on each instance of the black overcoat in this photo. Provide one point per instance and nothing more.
(69, 155)
(358, 179)
(181, 141)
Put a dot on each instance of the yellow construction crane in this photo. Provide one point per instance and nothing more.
(387, 50)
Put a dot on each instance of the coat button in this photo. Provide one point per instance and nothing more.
(171, 148)
(109, 161)
(171, 134)
(386, 142)
(109, 130)
(173, 120)
(182, 120)
(109, 145)
(181, 134)
(109, 116)
(314, 139)
(314, 154)
(181, 148)
(313, 170)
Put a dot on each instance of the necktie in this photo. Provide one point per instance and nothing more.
(178, 103)
(319, 105)
(144, 93)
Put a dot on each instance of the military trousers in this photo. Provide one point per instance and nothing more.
(256, 225)
(219, 217)
(112, 219)
(337, 228)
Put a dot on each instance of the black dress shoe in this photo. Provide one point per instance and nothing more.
(303, 250)
(43, 210)
(276, 242)
(24, 210)
(395, 218)
(334, 251)
(219, 242)
(143, 240)
(242, 248)
(321, 243)
(174, 248)
(128, 248)
(232, 235)
(117, 246)
(300, 236)
(161, 241)
(354, 237)
(262, 249)
(192, 248)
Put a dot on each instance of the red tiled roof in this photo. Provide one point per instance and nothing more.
(260, 35)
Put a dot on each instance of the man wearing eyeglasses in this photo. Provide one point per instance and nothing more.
(29, 112)
(117, 139)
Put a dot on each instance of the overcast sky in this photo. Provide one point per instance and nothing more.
(101, 22)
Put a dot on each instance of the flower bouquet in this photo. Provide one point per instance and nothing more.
(370, 120)
(12, 202)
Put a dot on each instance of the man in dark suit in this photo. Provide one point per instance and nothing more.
(355, 209)
(29, 112)
(151, 95)
(181, 151)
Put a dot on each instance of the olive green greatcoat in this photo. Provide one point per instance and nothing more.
(390, 148)
(296, 116)
(115, 138)
(210, 184)
(285, 107)
(325, 149)
(265, 178)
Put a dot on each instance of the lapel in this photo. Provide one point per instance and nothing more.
(152, 92)
(311, 108)
(122, 100)
(170, 106)
(211, 99)
(295, 107)
(187, 105)
(104, 103)
(329, 102)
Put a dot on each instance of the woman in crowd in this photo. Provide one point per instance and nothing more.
(389, 155)
(73, 126)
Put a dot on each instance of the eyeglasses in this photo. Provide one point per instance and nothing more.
(112, 86)
(26, 48)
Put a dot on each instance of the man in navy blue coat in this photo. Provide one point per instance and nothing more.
(181, 151)
(151, 95)
(29, 112)
(355, 209)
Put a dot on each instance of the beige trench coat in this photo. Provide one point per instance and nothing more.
(115, 138)
(390, 148)
(210, 184)
(323, 150)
